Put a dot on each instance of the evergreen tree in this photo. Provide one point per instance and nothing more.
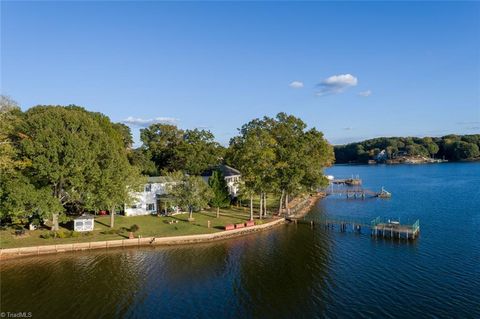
(220, 197)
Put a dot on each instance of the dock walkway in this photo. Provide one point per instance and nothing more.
(356, 192)
(347, 181)
(378, 227)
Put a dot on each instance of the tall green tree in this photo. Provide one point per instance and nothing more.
(141, 158)
(10, 119)
(317, 154)
(80, 156)
(125, 133)
(197, 151)
(191, 193)
(301, 156)
(253, 154)
(464, 150)
(279, 154)
(161, 141)
(117, 178)
(221, 197)
(173, 149)
(20, 199)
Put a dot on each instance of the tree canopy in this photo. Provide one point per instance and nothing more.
(191, 193)
(173, 149)
(76, 160)
(279, 154)
(450, 147)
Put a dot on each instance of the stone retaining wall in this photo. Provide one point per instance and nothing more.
(145, 241)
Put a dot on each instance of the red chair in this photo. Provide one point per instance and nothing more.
(250, 223)
(229, 227)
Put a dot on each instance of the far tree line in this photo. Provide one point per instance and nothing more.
(450, 147)
(57, 161)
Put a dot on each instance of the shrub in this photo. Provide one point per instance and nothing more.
(134, 228)
(62, 234)
(35, 222)
(47, 235)
(59, 234)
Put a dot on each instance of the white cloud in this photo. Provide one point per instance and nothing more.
(136, 121)
(336, 84)
(365, 93)
(296, 85)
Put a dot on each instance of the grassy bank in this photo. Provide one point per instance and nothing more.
(177, 225)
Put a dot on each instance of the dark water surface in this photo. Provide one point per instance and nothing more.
(291, 271)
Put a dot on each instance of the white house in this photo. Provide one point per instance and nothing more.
(149, 200)
(154, 198)
(232, 177)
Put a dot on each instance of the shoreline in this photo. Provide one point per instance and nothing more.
(14, 253)
(30, 251)
(403, 163)
(310, 202)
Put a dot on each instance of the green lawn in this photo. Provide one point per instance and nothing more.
(148, 226)
(272, 202)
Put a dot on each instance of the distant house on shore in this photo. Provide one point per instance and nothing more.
(232, 178)
(153, 199)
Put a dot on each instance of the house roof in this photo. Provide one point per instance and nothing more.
(159, 179)
(226, 170)
(85, 216)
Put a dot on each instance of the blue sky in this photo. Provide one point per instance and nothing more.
(354, 70)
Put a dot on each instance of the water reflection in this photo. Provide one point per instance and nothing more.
(287, 272)
(293, 268)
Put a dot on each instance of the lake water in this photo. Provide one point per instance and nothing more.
(292, 271)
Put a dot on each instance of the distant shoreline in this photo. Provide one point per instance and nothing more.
(396, 164)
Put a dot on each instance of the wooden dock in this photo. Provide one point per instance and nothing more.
(348, 181)
(378, 227)
(393, 229)
(357, 192)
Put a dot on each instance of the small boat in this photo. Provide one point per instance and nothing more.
(353, 181)
(394, 222)
(384, 194)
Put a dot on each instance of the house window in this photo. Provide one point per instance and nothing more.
(150, 207)
(148, 188)
(134, 206)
